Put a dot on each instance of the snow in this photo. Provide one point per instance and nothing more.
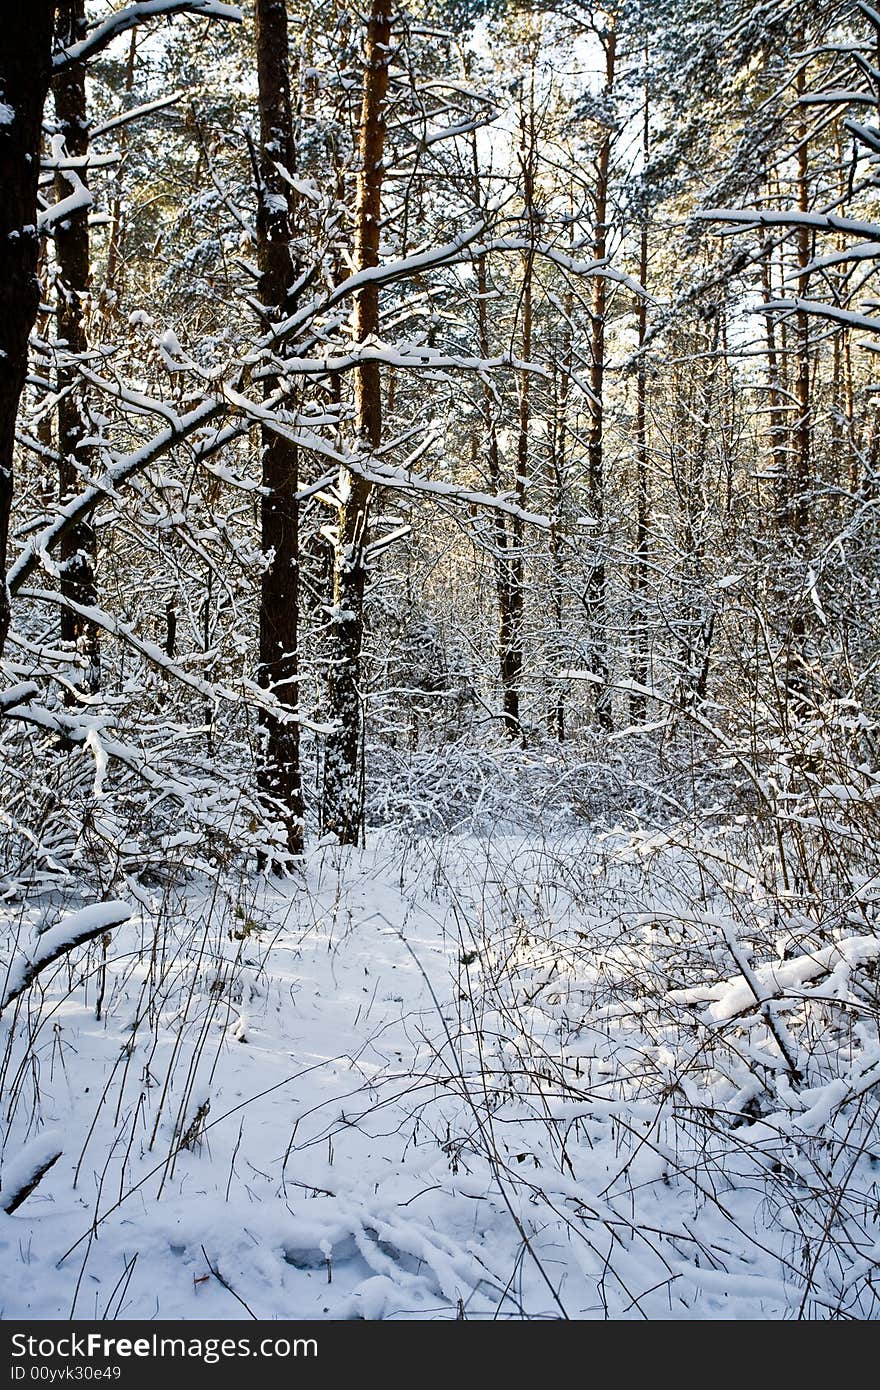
(97, 749)
(820, 221)
(584, 1030)
(426, 1081)
(124, 466)
(15, 694)
(820, 310)
(274, 202)
(77, 201)
(19, 1169)
(131, 15)
(730, 997)
(22, 964)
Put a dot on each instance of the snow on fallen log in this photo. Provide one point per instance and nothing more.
(17, 694)
(734, 996)
(24, 1172)
(73, 930)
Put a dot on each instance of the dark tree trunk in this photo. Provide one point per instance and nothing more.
(74, 273)
(800, 501)
(512, 652)
(342, 809)
(797, 497)
(774, 394)
(501, 544)
(700, 621)
(640, 665)
(25, 71)
(556, 487)
(115, 275)
(597, 584)
(280, 778)
(500, 539)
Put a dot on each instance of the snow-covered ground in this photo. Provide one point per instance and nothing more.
(469, 1077)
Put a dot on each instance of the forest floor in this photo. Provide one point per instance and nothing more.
(468, 1076)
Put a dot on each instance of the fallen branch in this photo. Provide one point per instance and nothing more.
(732, 997)
(75, 930)
(23, 1173)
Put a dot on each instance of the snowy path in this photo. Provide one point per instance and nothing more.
(295, 1192)
(360, 1138)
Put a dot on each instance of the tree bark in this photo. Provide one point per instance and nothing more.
(700, 620)
(78, 549)
(512, 621)
(798, 507)
(800, 504)
(596, 595)
(499, 531)
(774, 393)
(342, 801)
(115, 274)
(500, 539)
(279, 773)
(25, 72)
(557, 468)
(640, 665)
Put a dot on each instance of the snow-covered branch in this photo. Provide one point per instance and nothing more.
(132, 15)
(134, 113)
(746, 218)
(818, 309)
(23, 1173)
(126, 466)
(74, 930)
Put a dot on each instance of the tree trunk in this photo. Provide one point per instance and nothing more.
(700, 619)
(25, 71)
(115, 274)
(640, 664)
(798, 499)
(512, 622)
(597, 584)
(279, 774)
(774, 393)
(77, 548)
(500, 540)
(800, 506)
(557, 468)
(342, 810)
(501, 544)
